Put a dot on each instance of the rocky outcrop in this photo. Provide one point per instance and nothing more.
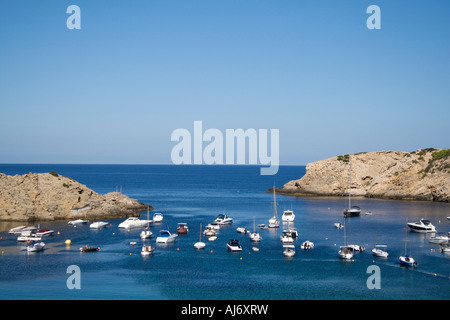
(49, 196)
(421, 175)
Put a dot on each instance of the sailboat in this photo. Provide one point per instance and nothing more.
(351, 211)
(406, 260)
(146, 234)
(255, 236)
(200, 244)
(346, 252)
(274, 222)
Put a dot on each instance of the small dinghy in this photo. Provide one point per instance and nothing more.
(147, 250)
(39, 246)
(89, 249)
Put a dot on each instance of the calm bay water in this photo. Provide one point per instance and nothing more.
(197, 194)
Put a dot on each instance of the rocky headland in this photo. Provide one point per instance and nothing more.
(50, 196)
(419, 175)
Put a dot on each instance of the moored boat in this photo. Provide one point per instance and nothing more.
(133, 222)
(422, 225)
(439, 239)
(407, 261)
(38, 246)
(288, 216)
(380, 251)
(182, 228)
(200, 244)
(165, 236)
(44, 232)
(77, 222)
(289, 251)
(89, 249)
(223, 219)
(158, 217)
(307, 245)
(147, 250)
(98, 225)
(346, 253)
(234, 245)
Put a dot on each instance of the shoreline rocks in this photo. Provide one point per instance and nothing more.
(419, 175)
(49, 196)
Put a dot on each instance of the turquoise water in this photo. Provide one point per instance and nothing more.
(197, 194)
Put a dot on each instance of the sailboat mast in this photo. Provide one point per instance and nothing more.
(274, 203)
(406, 236)
(349, 182)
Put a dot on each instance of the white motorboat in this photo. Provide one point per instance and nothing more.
(289, 251)
(158, 217)
(28, 236)
(134, 222)
(19, 230)
(445, 248)
(200, 244)
(439, 239)
(165, 236)
(147, 250)
(98, 225)
(286, 237)
(274, 222)
(288, 216)
(338, 225)
(213, 225)
(233, 245)
(307, 245)
(146, 234)
(242, 230)
(422, 225)
(77, 222)
(356, 248)
(38, 246)
(380, 251)
(223, 219)
(210, 232)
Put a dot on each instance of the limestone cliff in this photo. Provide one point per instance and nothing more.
(421, 175)
(49, 196)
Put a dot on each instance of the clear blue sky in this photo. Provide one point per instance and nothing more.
(114, 91)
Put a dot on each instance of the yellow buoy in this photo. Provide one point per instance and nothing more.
(68, 242)
(58, 232)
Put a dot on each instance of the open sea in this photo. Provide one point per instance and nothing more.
(196, 195)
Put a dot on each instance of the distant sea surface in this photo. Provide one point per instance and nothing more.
(196, 195)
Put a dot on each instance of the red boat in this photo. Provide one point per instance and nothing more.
(182, 228)
(44, 232)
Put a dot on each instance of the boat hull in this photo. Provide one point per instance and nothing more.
(407, 261)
